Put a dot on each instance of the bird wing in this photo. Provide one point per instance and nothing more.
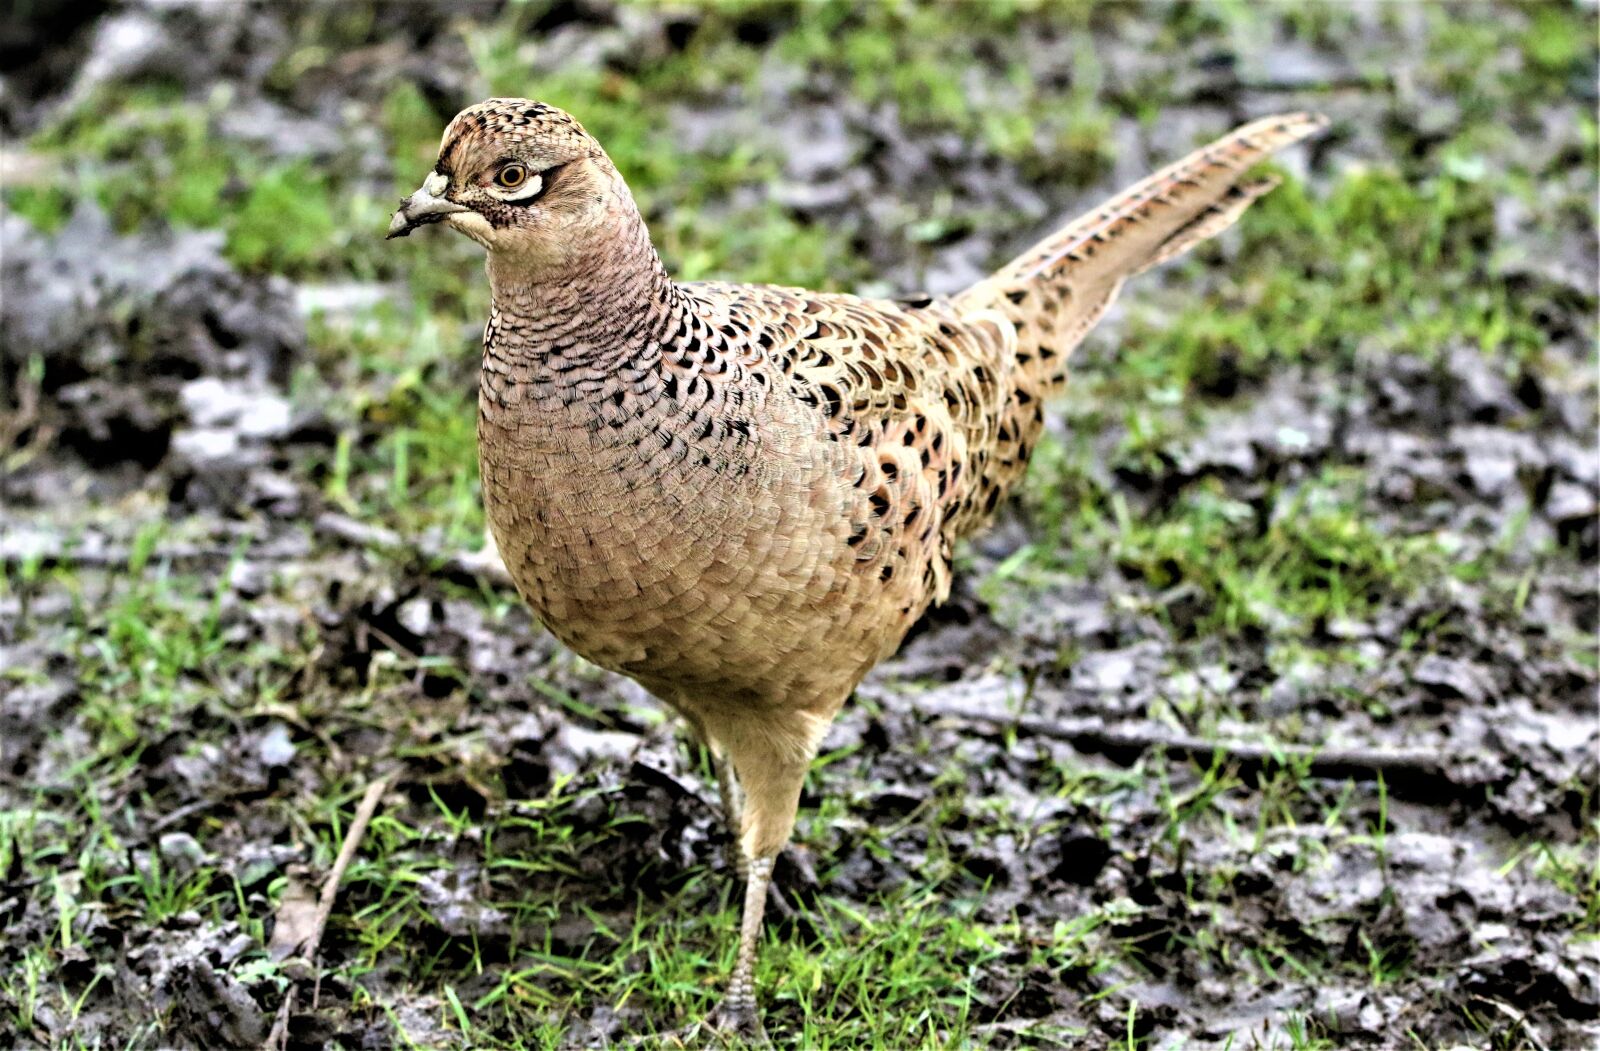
(917, 389)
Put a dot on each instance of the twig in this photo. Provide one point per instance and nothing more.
(1091, 735)
(278, 1039)
(182, 814)
(50, 551)
(1520, 1019)
(347, 852)
(359, 534)
(457, 565)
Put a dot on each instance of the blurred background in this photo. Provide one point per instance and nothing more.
(1330, 481)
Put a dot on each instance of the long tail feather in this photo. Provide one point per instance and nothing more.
(1056, 290)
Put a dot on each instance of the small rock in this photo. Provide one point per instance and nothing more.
(182, 852)
(586, 746)
(24, 543)
(1453, 678)
(1483, 391)
(1296, 686)
(248, 579)
(1223, 448)
(206, 445)
(236, 947)
(1107, 672)
(451, 901)
(275, 748)
(416, 616)
(275, 492)
(1491, 475)
(216, 1007)
(1492, 456)
(253, 413)
(1350, 1011)
(1569, 503)
(1292, 64)
(1349, 628)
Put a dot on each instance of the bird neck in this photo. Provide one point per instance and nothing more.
(604, 303)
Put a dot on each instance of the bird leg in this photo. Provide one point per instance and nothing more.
(736, 1022)
(728, 789)
(732, 809)
(769, 757)
(737, 1013)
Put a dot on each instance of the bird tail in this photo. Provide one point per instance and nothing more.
(1055, 291)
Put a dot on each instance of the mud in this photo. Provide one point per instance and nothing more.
(150, 381)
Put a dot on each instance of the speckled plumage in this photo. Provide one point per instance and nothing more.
(742, 495)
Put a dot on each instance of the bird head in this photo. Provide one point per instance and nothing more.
(521, 178)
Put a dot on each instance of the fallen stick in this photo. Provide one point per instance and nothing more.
(1091, 735)
(278, 1039)
(347, 852)
(37, 549)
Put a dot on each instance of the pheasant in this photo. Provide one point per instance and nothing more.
(742, 496)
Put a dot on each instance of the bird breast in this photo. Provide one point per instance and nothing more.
(656, 538)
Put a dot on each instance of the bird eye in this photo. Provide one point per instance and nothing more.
(512, 176)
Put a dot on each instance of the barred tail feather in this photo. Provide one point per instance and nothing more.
(1056, 290)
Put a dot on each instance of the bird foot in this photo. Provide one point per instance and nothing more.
(734, 1024)
(740, 1020)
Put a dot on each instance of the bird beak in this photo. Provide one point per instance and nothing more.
(427, 205)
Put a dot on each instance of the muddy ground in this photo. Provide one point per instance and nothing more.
(1265, 718)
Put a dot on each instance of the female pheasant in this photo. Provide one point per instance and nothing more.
(742, 496)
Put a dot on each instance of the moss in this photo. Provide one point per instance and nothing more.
(45, 208)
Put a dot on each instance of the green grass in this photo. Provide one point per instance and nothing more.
(1311, 557)
(156, 157)
(665, 953)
